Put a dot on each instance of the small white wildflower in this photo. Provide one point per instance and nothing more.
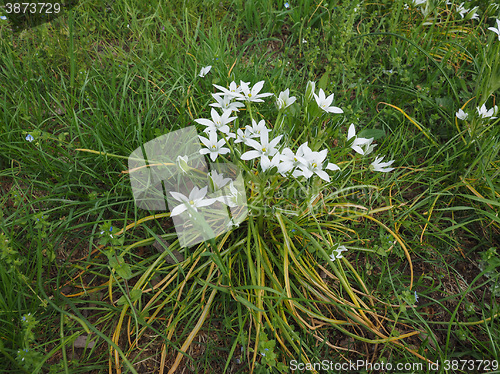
(485, 113)
(337, 252)
(461, 115)
(325, 102)
(214, 146)
(284, 100)
(363, 146)
(378, 165)
(497, 29)
(181, 163)
(218, 180)
(204, 71)
(195, 200)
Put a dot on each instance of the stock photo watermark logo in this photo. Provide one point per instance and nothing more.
(205, 200)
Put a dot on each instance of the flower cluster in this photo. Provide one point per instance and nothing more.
(255, 142)
(460, 9)
(258, 139)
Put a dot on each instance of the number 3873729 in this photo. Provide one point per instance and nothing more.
(32, 8)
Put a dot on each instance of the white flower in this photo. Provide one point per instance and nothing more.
(243, 136)
(485, 113)
(264, 150)
(214, 147)
(225, 102)
(378, 165)
(461, 115)
(234, 90)
(460, 9)
(324, 102)
(497, 29)
(181, 163)
(29, 138)
(218, 122)
(314, 164)
(3, 17)
(257, 129)
(231, 199)
(284, 100)
(363, 146)
(195, 200)
(290, 161)
(310, 88)
(337, 253)
(475, 15)
(204, 71)
(252, 94)
(218, 180)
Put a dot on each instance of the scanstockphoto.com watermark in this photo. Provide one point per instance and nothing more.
(399, 367)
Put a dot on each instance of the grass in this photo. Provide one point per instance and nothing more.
(102, 79)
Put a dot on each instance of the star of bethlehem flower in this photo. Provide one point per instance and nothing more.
(252, 94)
(243, 136)
(461, 115)
(337, 253)
(214, 146)
(378, 165)
(182, 163)
(234, 90)
(325, 102)
(231, 199)
(204, 71)
(218, 122)
(314, 164)
(225, 103)
(218, 180)
(264, 150)
(496, 29)
(363, 146)
(257, 129)
(284, 100)
(195, 200)
(310, 88)
(461, 10)
(290, 160)
(485, 113)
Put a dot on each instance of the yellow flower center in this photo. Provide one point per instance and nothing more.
(191, 202)
(314, 165)
(213, 147)
(264, 149)
(249, 95)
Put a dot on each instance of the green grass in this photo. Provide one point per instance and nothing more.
(103, 79)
